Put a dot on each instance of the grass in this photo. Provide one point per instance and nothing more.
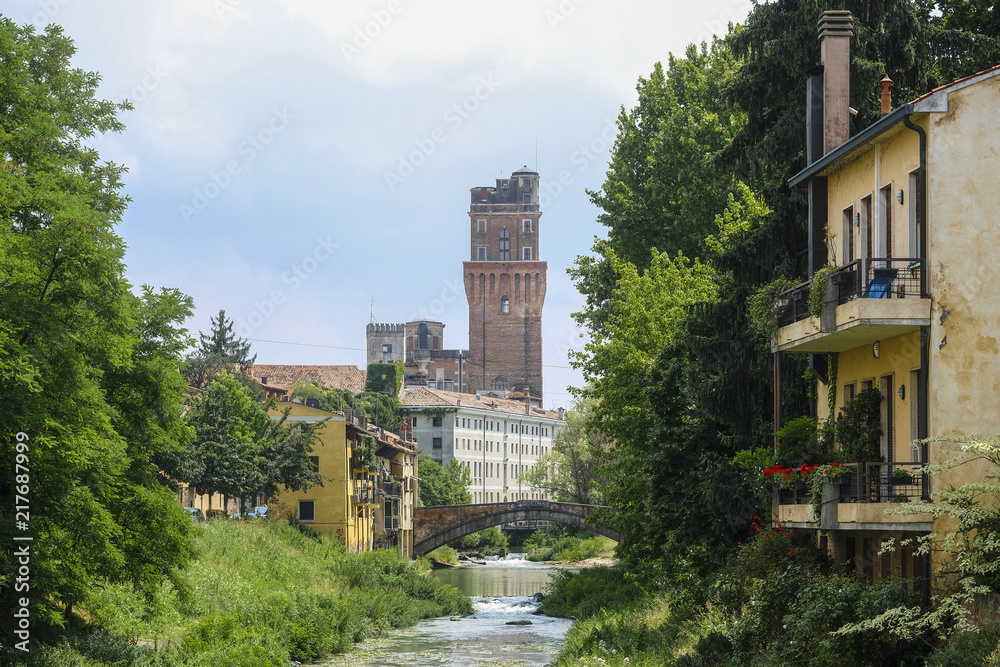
(575, 549)
(259, 593)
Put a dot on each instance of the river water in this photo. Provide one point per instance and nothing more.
(501, 592)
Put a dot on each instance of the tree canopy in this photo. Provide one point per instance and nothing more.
(442, 485)
(88, 369)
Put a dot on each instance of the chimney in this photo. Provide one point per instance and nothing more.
(835, 31)
(886, 95)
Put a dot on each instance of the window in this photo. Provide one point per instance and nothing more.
(527, 225)
(307, 510)
(314, 460)
(435, 421)
(527, 182)
(449, 385)
(527, 199)
(504, 305)
(498, 384)
(866, 227)
(481, 253)
(387, 349)
(414, 422)
(526, 252)
(432, 384)
(848, 228)
(885, 243)
(436, 443)
(481, 225)
(504, 245)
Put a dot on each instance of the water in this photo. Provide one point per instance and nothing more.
(501, 591)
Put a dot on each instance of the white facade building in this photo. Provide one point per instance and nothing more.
(496, 439)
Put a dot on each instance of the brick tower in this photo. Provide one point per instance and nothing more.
(505, 286)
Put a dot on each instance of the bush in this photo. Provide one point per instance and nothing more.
(585, 593)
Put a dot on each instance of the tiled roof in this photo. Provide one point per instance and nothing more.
(956, 82)
(351, 378)
(422, 396)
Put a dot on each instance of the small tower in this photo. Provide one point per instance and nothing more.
(385, 342)
(505, 286)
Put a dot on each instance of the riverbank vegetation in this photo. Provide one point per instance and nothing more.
(556, 542)
(257, 593)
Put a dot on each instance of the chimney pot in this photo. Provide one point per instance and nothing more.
(886, 95)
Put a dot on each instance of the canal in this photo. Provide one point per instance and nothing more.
(501, 593)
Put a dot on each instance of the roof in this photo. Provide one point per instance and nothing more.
(524, 170)
(424, 397)
(959, 83)
(931, 101)
(347, 377)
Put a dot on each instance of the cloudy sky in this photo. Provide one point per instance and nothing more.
(292, 160)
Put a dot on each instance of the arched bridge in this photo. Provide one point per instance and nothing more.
(436, 526)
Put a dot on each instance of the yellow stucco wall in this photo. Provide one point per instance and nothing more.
(334, 511)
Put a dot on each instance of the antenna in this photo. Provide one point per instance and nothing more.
(371, 312)
(536, 154)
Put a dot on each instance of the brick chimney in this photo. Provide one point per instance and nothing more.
(835, 31)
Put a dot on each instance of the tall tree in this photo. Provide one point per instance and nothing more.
(88, 370)
(219, 349)
(443, 485)
(238, 450)
(572, 470)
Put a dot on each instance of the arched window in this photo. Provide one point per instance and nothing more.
(499, 384)
(504, 305)
(504, 245)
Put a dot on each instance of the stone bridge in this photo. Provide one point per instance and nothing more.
(436, 526)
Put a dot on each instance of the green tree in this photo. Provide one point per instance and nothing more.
(378, 407)
(571, 471)
(239, 451)
(643, 313)
(219, 349)
(442, 485)
(88, 370)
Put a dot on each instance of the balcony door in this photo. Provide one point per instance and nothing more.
(888, 425)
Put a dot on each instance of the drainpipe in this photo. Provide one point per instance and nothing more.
(922, 421)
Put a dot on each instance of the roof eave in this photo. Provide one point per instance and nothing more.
(852, 144)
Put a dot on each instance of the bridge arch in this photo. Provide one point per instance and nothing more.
(439, 525)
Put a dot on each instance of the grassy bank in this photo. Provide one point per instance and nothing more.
(259, 594)
(777, 602)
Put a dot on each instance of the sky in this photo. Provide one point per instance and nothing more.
(306, 164)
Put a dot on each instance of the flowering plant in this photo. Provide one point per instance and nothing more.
(835, 470)
(785, 477)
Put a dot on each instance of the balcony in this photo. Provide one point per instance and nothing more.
(866, 300)
(860, 501)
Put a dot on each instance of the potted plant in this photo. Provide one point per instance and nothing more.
(837, 473)
(901, 476)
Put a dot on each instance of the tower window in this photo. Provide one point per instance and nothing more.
(527, 199)
(387, 348)
(499, 384)
(481, 225)
(504, 305)
(527, 225)
(481, 253)
(504, 245)
(526, 253)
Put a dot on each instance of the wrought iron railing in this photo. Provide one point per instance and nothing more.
(879, 278)
(792, 305)
(877, 483)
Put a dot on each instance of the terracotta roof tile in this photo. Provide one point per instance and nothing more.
(955, 82)
(422, 396)
(347, 377)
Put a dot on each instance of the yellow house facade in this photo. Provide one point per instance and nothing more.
(906, 214)
(367, 497)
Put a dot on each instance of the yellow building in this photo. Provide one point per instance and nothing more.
(906, 213)
(367, 498)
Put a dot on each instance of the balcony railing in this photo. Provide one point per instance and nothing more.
(877, 483)
(883, 278)
(793, 304)
(867, 278)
